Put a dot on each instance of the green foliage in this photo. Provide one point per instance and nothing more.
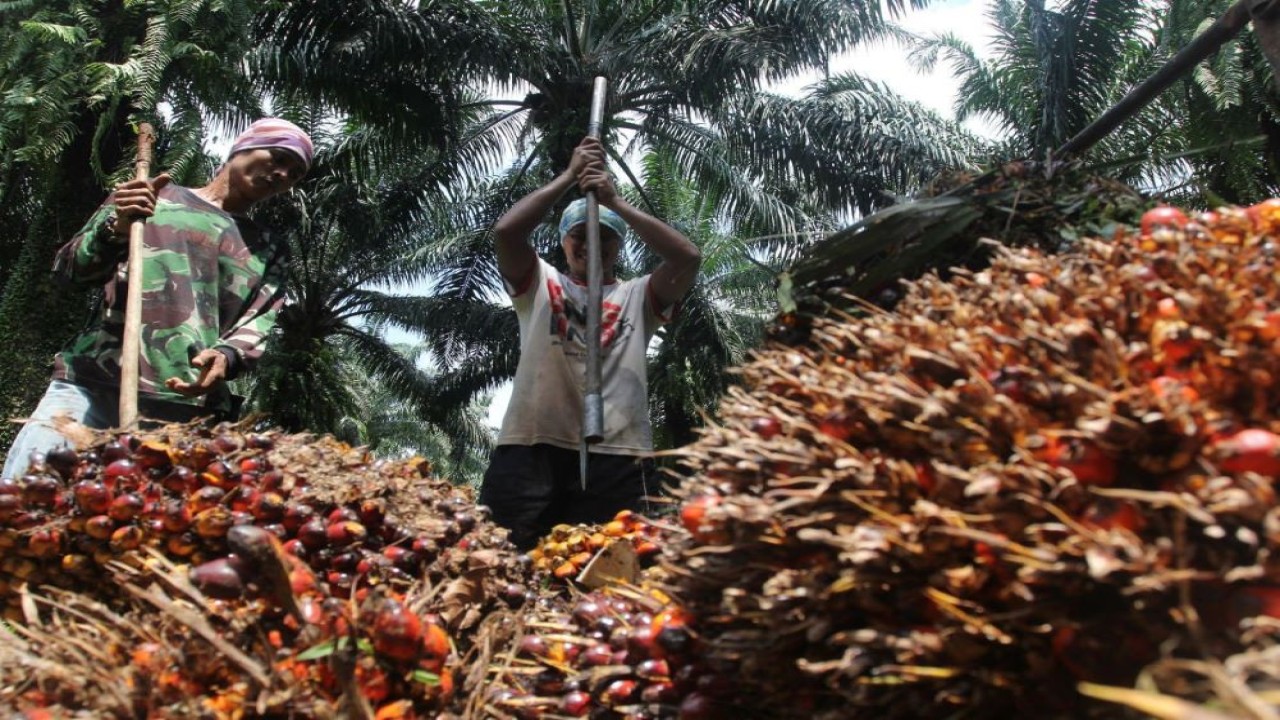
(1056, 69)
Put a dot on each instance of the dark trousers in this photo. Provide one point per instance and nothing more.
(531, 489)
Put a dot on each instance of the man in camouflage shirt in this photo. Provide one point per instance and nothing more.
(213, 282)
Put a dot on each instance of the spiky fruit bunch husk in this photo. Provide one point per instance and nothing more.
(1057, 469)
(264, 573)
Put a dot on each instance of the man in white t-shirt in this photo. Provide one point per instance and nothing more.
(533, 479)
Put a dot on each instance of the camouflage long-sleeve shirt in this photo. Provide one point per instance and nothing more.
(210, 280)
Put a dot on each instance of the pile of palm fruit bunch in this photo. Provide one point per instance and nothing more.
(1044, 475)
(567, 549)
(619, 651)
(224, 573)
(1048, 206)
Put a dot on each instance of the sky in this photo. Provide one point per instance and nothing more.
(887, 63)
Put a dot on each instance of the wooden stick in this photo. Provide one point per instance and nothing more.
(593, 400)
(131, 346)
(1205, 44)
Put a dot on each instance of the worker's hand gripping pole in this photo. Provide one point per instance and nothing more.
(593, 400)
(131, 346)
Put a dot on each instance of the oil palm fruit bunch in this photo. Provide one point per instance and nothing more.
(1058, 469)
(1019, 204)
(618, 652)
(301, 554)
(567, 549)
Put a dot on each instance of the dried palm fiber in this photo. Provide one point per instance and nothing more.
(307, 577)
(1056, 469)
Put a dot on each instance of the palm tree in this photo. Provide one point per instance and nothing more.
(1054, 70)
(351, 240)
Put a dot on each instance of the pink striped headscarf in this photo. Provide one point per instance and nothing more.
(275, 133)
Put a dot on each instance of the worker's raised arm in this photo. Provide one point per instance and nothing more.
(511, 233)
(671, 280)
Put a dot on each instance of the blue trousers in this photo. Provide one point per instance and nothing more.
(87, 406)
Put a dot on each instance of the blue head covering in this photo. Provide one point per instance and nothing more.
(576, 214)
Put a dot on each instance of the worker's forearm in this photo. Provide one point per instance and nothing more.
(518, 223)
(665, 241)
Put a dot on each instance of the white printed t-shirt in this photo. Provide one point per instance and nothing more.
(546, 396)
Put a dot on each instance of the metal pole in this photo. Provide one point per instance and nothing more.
(593, 400)
(1204, 45)
(131, 345)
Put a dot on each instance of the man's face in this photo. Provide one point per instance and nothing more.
(260, 173)
(575, 250)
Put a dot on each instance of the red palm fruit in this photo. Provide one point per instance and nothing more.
(339, 582)
(693, 515)
(435, 646)
(533, 646)
(92, 497)
(175, 516)
(295, 548)
(203, 499)
(75, 564)
(397, 632)
(373, 564)
(766, 427)
(312, 534)
(254, 464)
(1089, 463)
(213, 523)
(271, 480)
(653, 669)
(63, 460)
(371, 513)
(575, 704)
(181, 545)
(342, 514)
(152, 454)
(182, 480)
(1163, 217)
(227, 443)
(661, 692)
(597, 655)
(267, 507)
(302, 581)
(128, 537)
(1109, 514)
(120, 471)
(10, 506)
(126, 507)
(40, 491)
(697, 706)
(296, 515)
(373, 682)
(220, 578)
(99, 527)
(618, 692)
(1250, 450)
(220, 475)
(45, 542)
(397, 710)
(344, 533)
